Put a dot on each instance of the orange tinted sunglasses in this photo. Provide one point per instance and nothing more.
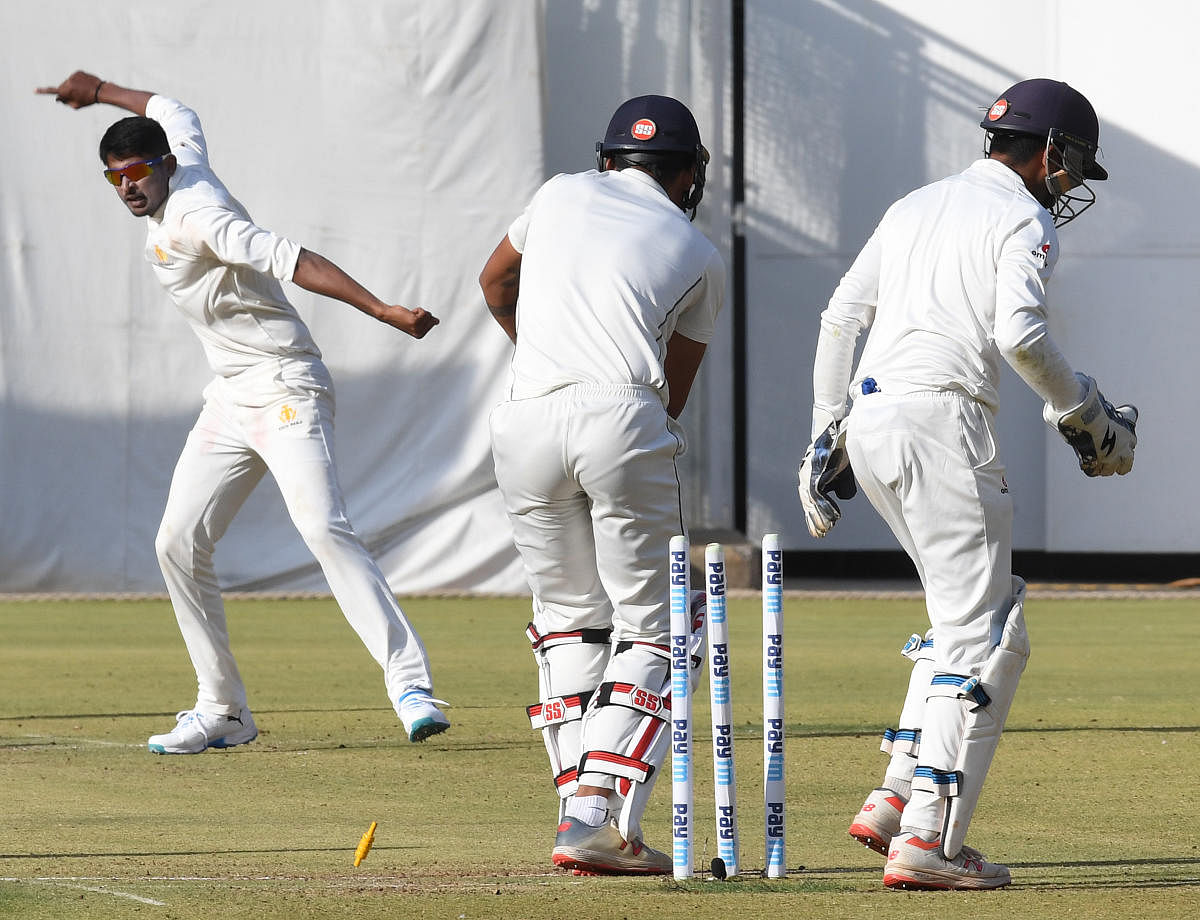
(133, 172)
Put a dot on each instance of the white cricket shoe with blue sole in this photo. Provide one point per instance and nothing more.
(420, 714)
(196, 731)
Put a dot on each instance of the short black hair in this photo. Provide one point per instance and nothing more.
(664, 167)
(136, 136)
(1017, 146)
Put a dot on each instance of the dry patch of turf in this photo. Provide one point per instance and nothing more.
(1084, 800)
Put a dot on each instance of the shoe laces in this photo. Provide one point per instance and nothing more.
(417, 697)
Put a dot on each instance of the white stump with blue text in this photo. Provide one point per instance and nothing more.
(773, 786)
(720, 694)
(681, 709)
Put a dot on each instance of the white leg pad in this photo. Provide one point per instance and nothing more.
(570, 669)
(985, 721)
(904, 743)
(623, 729)
(650, 739)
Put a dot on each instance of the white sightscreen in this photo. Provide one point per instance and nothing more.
(398, 139)
(853, 103)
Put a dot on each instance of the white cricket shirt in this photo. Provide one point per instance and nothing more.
(952, 281)
(610, 268)
(221, 269)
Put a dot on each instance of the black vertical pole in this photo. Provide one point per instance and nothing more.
(738, 294)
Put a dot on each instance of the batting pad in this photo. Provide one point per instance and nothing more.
(570, 666)
(988, 705)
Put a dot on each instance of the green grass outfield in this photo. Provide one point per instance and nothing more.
(1093, 797)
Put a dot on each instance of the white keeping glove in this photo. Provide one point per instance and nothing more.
(1102, 437)
(824, 469)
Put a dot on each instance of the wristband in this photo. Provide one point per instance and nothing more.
(96, 98)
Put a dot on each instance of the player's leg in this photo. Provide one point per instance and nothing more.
(878, 821)
(295, 435)
(627, 449)
(876, 471)
(959, 518)
(962, 526)
(213, 476)
(570, 664)
(572, 617)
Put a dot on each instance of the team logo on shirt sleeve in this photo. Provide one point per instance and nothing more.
(1042, 254)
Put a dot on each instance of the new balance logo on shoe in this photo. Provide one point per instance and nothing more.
(878, 821)
(920, 865)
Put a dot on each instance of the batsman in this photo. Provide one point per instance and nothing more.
(952, 281)
(610, 295)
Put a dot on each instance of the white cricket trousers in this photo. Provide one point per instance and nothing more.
(276, 416)
(592, 493)
(927, 461)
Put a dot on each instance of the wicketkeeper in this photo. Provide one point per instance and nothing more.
(952, 281)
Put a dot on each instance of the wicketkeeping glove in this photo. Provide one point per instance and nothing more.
(1102, 437)
(824, 469)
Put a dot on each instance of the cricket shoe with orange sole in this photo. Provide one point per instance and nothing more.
(878, 821)
(602, 850)
(918, 865)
